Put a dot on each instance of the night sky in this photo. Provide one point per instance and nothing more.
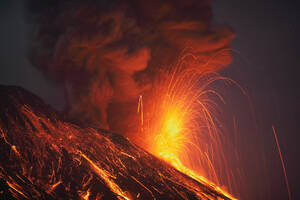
(266, 61)
(267, 65)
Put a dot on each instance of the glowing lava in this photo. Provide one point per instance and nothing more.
(169, 142)
(180, 122)
(45, 157)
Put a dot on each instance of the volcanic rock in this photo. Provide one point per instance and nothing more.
(43, 156)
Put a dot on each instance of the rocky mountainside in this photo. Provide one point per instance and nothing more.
(44, 156)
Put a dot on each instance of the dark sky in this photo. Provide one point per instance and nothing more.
(15, 68)
(266, 62)
(267, 66)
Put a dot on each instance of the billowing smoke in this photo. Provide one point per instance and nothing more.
(105, 53)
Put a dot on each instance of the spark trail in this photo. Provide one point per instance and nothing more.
(282, 164)
(180, 124)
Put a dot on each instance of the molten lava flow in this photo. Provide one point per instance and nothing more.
(106, 176)
(44, 157)
(181, 125)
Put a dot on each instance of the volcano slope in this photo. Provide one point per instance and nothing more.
(43, 156)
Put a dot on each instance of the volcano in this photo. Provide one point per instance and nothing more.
(45, 156)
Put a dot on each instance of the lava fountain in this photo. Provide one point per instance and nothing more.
(45, 157)
(106, 54)
(180, 121)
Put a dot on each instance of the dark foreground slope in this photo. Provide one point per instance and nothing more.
(45, 157)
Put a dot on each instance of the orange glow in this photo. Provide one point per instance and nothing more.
(168, 142)
(180, 122)
(173, 160)
(16, 188)
(170, 127)
(86, 195)
(107, 178)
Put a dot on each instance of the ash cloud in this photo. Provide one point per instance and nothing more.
(105, 53)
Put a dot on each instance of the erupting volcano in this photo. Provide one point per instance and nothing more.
(141, 117)
(45, 157)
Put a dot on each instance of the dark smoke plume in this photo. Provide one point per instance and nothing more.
(107, 52)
